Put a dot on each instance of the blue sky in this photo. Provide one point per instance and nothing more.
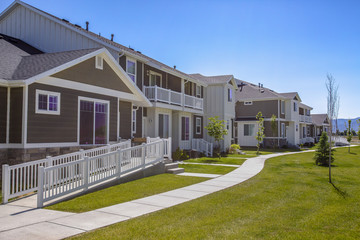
(285, 45)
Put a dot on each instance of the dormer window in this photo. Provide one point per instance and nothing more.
(99, 62)
(131, 68)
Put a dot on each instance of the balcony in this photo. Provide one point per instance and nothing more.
(158, 94)
(305, 119)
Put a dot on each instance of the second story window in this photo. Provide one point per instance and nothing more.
(282, 107)
(131, 68)
(229, 95)
(155, 79)
(188, 88)
(295, 107)
(198, 91)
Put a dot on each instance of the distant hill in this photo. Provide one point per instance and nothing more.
(342, 122)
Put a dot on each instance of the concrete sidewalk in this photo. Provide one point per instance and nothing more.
(22, 222)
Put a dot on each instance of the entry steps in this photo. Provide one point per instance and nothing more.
(173, 168)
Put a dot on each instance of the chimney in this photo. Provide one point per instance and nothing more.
(87, 26)
(112, 37)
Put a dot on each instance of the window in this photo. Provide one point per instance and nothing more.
(185, 128)
(188, 89)
(198, 125)
(93, 121)
(47, 102)
(282, 107)
(229, 95)
(304, 132)
(155, 79)
(248, 103)
(198, 91)
(308, 112)
(133, 122)
(295, 107)
(283, 134)
(249, 129)
(131, 68)
(164, 125)
(99, 62)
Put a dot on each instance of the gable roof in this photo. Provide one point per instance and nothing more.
(291, 95)
(249, 91)
(305, 106)
(215, 80)
(102, 40)
(319, 119)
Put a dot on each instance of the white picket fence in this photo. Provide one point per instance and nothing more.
(60, 180)
(203, 146)
(22, 178)
(167, 146)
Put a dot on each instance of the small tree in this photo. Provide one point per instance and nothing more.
(260, 133)
(322, 151)
(216, 129)
(349, 133)
(358, 132)
(274, 128)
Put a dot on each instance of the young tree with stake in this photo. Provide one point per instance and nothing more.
(260, 133)
(349, 133)
(216, 129)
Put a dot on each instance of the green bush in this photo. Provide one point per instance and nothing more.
(322, 151)
(179, 154)
(233, 148)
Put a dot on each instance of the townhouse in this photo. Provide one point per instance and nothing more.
(320, 123)
(292, 124)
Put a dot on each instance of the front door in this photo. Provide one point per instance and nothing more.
(185, 133)
(93, 122)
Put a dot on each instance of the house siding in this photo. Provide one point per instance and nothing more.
(168, 81)
(138, 123)
(125, 109)
(45, 128)
(16, 114)
(86, 72)
(267, 108)
(3, 114)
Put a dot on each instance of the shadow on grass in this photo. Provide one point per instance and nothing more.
(340, 192)
(352, 153)
(210, 161)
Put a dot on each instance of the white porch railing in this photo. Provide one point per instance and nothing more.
(307, 140)
(22, 178)
(306, 119)
(167, 146)
(60, 180)
(158, 94)
(203, 146)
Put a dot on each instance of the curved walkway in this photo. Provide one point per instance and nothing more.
(19, 222)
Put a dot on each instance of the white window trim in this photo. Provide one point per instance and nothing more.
(283, 130)
(196, 125)
(99, 62)
(247, 103)
(47, 93)
(107, 116)
(134, 61)
(282, 106)
(198, 91)
(156, 74)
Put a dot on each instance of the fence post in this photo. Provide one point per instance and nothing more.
(143, 147)
(162, 149)
(50, 164)
(118, 163)
(86, 173)
(169, 148)
(155, 93)
(108, 148)
(40, 193)
(5, 183)
(82, 153)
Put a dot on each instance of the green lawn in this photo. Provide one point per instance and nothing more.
(290, 199)
(197, 168)
(126, 192)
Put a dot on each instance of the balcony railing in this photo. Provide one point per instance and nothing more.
(158, 94)
(306, 119)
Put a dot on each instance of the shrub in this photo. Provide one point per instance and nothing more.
(179, 154)
(322, 151)
(233, 148)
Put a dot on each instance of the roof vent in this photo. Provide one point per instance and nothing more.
(131, 48)
(64, 20)
(174, 66)
(240, 86)
(112, 37)
(76, 25)
(99, 34)
(87, 26)
(261, 89)
(138, 52)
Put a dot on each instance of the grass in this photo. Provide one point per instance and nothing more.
(125, 192)
(197, 168)
(290, 199)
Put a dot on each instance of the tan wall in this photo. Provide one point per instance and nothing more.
(86, 72)
(3, 113)
(267, 108)
(45, 128)
(16, 105)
